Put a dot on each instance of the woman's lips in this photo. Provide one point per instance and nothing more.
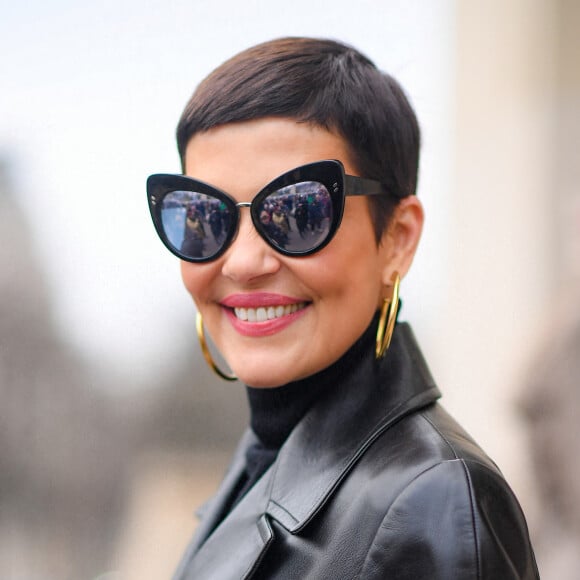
(262, 314)
(257, 299)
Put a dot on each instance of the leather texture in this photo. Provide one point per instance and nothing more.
(376, 481)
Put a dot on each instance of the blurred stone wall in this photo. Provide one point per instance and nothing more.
(92, 473)
(189, 426)
(516, 245)
(62, 444)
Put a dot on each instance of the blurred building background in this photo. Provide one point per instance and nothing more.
(102, 463)
(92, 478)
(62, 443)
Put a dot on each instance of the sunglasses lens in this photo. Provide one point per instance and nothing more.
(296, 218)
(195, 224)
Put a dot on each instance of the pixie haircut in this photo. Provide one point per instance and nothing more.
(328, 84)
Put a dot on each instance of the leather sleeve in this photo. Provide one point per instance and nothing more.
(457, 521)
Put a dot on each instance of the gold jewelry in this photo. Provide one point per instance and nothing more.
(387, 319)
(206, 354)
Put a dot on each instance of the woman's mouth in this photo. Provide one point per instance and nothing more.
(263, 313)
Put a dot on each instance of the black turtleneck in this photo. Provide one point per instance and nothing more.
(275, 412)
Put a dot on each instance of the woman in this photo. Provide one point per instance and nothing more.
(351, 469)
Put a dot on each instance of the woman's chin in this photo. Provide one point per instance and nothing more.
(261, 380)
(264, 364)
(266, 377)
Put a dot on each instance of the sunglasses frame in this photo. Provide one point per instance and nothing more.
(329, 172)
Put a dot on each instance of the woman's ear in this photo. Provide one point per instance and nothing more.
(401, 238)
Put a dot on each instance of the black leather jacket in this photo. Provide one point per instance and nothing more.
(377, 481)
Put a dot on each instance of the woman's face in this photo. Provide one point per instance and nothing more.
(320, 303)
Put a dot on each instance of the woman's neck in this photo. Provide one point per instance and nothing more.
(276, 411)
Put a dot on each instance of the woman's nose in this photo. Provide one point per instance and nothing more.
(249, 257)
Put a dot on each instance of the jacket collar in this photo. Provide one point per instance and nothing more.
(323, 447)
(337, 431)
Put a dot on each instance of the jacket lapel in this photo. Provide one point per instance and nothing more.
(211, 512)
(337, 431)
(235, 548)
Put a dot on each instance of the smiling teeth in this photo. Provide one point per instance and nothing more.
(267, 313)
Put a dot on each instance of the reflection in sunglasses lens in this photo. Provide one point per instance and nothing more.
(194, 223)
(297, 218)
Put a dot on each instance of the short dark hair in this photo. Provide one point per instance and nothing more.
(329, 84)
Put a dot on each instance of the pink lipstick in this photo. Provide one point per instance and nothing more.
(262, 314)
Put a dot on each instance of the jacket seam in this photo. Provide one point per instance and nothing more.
(473, 519)
(282, 508)
(438, 431)
(469, 490)
(452, 448)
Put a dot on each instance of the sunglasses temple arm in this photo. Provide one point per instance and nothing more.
(355, 185)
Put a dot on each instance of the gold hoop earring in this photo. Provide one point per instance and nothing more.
(206, 354)
(387, 319)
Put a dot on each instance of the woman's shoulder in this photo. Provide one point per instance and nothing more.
(421, 441)
(451, 507)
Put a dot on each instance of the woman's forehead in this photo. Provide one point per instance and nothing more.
(241, 158)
